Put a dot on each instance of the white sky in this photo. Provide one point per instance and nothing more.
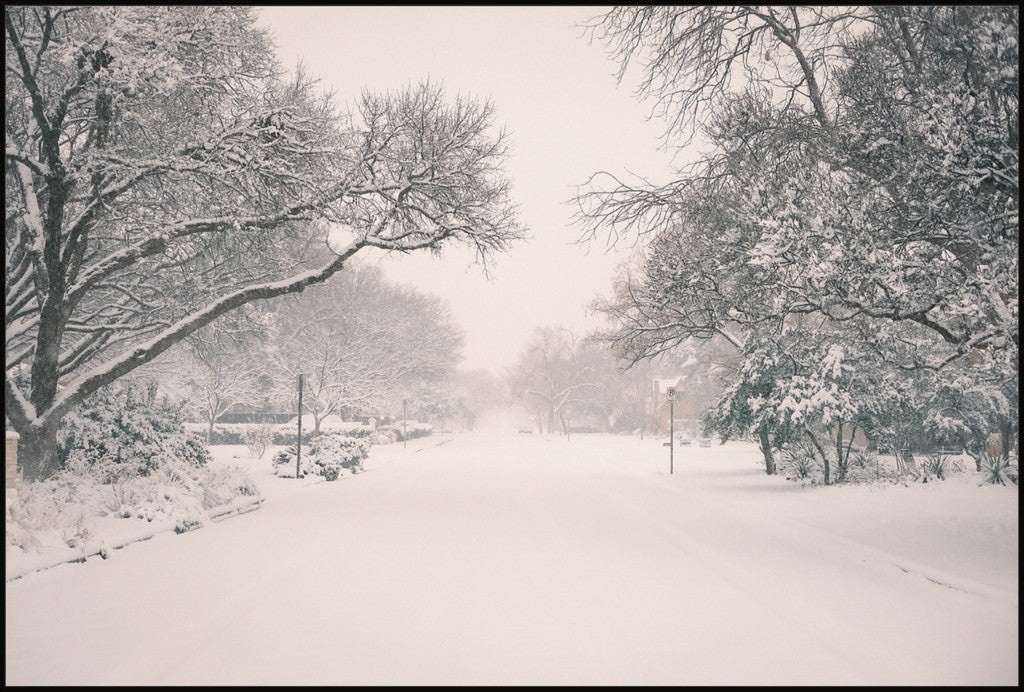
(568, 118)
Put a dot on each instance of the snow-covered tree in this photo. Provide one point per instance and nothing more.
(862, 176)
(162, 170)
(356, 340)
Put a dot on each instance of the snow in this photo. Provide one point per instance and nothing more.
(498, 558)
(341, 237)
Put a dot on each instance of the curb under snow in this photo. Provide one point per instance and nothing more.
(39, 563)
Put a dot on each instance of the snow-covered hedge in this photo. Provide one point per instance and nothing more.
(223, 433)
(62, 510)
(409, 431)
(235, 433)
(330, 424)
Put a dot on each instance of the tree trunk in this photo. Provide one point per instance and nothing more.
(37, 451)
(840, 466)
(766, 451)
(822, 453)
(209, 431)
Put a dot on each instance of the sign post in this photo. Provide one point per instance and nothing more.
(405, 423)
(298, 444)
(671, 428)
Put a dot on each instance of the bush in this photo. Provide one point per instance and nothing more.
(383, 436)
(124, 431)
(999, 470)
(940, 466)
(330, 453)
(866, 467)
(284, 462)
(257, 439)
(798, 463)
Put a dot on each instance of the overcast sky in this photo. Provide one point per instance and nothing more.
(568, 118)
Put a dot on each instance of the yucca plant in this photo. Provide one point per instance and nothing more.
(935, 466)
(998, 469)
(800, 461)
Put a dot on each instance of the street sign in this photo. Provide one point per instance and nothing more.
(671, 393)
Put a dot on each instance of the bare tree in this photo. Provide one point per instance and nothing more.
(218, 374)
(549, 377)
(693, 55)
(162, 171)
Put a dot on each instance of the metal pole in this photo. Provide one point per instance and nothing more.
(298, 444)
(405, 423)
(671, 434)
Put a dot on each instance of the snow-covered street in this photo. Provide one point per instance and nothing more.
(499, 558)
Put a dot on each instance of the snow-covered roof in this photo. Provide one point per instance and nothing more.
(11, 435)
(661, 384)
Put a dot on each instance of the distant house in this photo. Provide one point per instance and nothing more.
(661, 385)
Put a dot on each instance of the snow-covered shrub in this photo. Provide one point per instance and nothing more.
(48, 514)
(125, 431)
(383, 436)
(59, 510)
(257, 438)
(284, 462)
(329, 454)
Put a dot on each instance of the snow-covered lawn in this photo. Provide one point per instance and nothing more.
(498, 558)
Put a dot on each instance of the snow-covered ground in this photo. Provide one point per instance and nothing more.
(501, 558)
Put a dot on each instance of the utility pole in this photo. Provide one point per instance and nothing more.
(298, 444)
(671, 428)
